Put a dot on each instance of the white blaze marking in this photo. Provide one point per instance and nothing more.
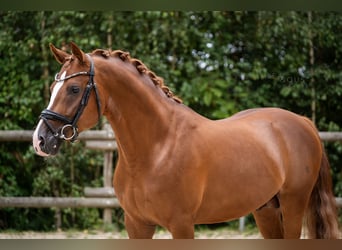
(56, 90)
(35, 138)
(36, 141)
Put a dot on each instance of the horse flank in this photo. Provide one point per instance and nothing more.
(141, 68)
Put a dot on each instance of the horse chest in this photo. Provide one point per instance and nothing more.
(135, 198)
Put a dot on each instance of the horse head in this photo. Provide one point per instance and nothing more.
(74, 101)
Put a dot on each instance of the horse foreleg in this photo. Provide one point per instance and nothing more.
(137, 229)
(181, 228)
(182, 231)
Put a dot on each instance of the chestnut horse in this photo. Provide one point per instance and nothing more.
(177, 168)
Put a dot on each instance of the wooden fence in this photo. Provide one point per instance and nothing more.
(103, 140)
(96, 197)
(108, 135)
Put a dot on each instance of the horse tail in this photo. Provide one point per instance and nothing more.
(321, 214)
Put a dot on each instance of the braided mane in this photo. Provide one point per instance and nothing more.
(141, 67)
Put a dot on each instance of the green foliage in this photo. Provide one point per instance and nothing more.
(218, 62)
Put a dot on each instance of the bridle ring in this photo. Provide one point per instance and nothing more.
(62, 136)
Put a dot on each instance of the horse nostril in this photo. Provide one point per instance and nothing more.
(41, 141)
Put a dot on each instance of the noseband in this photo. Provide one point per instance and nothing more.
(47, 115)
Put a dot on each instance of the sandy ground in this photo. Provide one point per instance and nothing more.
(205, 234)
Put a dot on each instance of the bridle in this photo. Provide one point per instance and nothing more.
(47, 114)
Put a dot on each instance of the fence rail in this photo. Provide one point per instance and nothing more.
(103, 192)
(26, 135)
(72, 202)
(338, 202)
(60, 202)
(330, 136)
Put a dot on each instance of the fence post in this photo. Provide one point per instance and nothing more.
(107, 176)
(242, 224)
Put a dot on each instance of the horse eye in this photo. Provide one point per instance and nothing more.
(75, 89)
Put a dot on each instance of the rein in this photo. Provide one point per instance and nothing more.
(47, 115)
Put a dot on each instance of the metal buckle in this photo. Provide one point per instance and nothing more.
(74, 130)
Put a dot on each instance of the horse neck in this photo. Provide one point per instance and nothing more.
(138, 111)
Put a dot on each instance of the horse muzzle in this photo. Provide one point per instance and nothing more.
(45, 143)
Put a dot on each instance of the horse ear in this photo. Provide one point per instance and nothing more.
(78, 53)
(60, 55)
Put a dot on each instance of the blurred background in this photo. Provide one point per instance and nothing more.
(219, 63)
